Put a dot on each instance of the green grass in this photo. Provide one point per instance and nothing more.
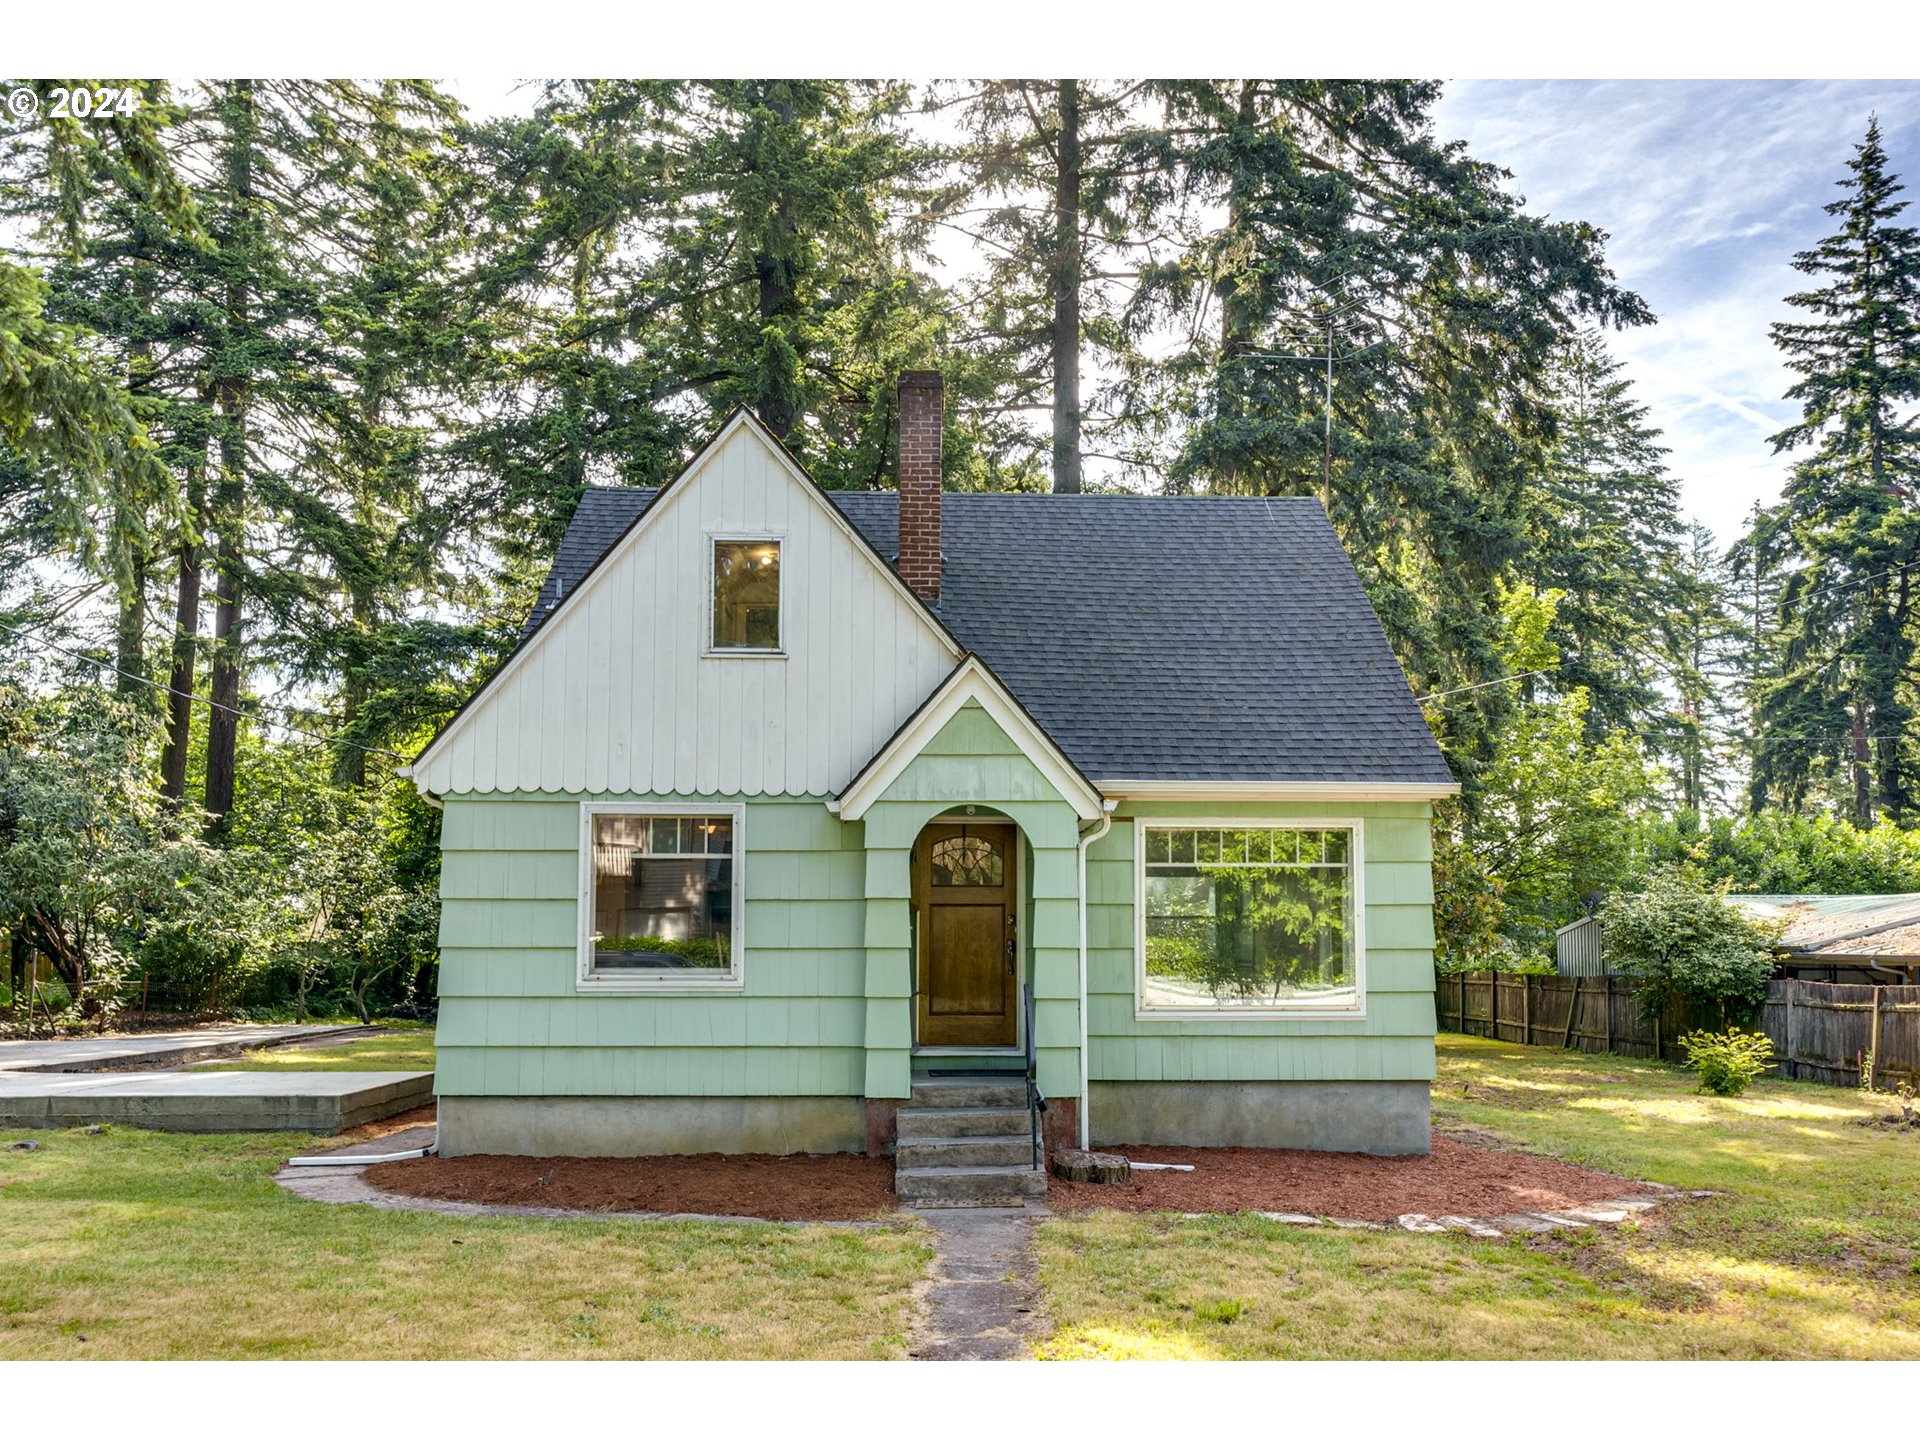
(1811, 1251)
(408, 1049)
(137, 1245)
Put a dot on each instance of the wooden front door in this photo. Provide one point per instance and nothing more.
(968, 985)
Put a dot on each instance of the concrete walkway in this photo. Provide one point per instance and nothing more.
(982, 1302)
(154, 1049)
(347, 1185)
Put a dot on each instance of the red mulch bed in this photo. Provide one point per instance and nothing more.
(767, 1187)
(1456, 1179)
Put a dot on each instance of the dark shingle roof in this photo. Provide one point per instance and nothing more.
(1156, 638)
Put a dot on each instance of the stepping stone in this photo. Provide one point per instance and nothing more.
(1419, 1224)
(1355, 1224)
(1528, 1224)
(1598, 1214)
(1286, 1219)
(1562, 1219)
(1633, 1202)
(1472, 1226)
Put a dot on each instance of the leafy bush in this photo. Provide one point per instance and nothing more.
(1728, 1062)
(702, 952)
(1680, 942)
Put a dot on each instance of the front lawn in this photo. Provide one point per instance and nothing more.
(137, 1245)
(397, 1049)
(1812, 1251)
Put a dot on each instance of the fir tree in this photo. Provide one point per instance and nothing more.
(1848, 529)
(1605, 531)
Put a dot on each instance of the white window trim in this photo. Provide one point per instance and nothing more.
(585, 981)
(710, 651)
(1197, 1014)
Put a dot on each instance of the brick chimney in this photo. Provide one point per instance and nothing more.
(922, 413)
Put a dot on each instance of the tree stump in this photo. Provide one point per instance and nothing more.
(1090, 1165)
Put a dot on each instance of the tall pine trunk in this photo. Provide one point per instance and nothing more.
(775, 267)
(186, 640)
(1238, 321)
(230, 494)
(1862, 768)
(130, 625)
(1066, 295)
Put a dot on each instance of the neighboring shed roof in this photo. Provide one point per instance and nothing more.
(1156, 638)
(1856, 925)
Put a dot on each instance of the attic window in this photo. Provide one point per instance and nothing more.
(746, 596)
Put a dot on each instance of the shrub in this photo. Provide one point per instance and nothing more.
(1727, 1062)
(1679, 942)
(708, 953)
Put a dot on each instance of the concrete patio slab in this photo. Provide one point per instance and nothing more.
(322, 1102)
(154, 1049)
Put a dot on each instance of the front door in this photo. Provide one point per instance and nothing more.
(968, 985)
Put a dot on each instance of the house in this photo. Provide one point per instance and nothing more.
(790, 801)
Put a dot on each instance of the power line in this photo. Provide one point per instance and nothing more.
(196, 699)
(1786, 605)
(1484, 684)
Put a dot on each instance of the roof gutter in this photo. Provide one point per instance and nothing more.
(1359, 790)
(1087, 837)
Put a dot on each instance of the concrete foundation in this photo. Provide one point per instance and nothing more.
(1374, 1117)
(652, 1125)
(321, 1102)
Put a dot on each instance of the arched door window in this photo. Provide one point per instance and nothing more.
(966, 860)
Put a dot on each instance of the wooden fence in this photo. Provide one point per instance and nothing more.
(1819, 1031)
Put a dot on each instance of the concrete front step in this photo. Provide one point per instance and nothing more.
(938, 1123)
(950, 1152)
(969, 1185)
(968, 1091)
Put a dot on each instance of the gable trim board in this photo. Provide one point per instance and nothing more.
(647, 520)
(972, 680)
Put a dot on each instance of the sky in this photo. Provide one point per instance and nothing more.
(1707, 188)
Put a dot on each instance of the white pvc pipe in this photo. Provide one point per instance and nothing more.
(1106, 824)
(306, 1160)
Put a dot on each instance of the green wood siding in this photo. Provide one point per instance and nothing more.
(512, 1023)
(1394, 1041)
(827, 1008)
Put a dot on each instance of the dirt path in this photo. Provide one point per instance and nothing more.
(982, 1302)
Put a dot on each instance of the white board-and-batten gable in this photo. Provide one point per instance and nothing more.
(618, 691)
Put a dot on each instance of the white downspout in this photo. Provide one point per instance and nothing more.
(1087, 837)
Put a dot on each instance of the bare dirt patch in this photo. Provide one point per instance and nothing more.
(765, 1187)
(1456, 1179)
(420, 1115)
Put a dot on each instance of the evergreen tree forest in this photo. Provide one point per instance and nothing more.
(301, 381)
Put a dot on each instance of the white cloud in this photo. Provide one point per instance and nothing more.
(1707, 189)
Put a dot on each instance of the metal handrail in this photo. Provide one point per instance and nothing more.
(1036, 1102)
